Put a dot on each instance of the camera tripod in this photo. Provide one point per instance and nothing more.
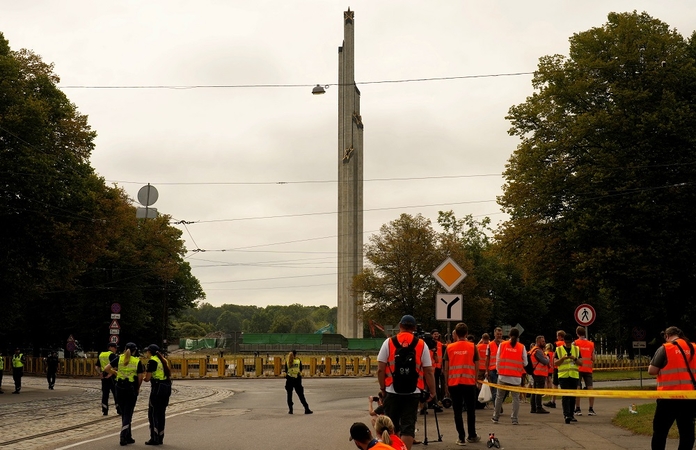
(424, 412)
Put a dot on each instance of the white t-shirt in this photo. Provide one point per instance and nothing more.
(383, 356)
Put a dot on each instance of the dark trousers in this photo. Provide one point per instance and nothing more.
(51, 378)
(568, 401)
(439, 390)
(127, 397)
(493, 378)
(539, 383)
(666, 412)
(464, 394)
(17, 373)
(156, 410)
(1, 371)
(108, 386)
(296, 384)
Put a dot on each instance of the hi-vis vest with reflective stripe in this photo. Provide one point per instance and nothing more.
(511, 362)
(294, 370)
(586, 350)
(675, 375)
(461, 366)
(568, 369)
(493, 352)
(436, 355)
(127, 372)
(158, 374)
(104, 360)
(405, 338)
(540, 370)
(482, 355)
(17, 361)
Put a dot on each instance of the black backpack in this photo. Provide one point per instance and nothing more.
(529, 368)
(405, 373)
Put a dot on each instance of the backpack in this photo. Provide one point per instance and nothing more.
(529, 368)
(405, 374)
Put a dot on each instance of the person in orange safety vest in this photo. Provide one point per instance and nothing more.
(587, 356)
(674, 364)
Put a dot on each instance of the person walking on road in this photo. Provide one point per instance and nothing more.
(18, 361)
(402, 382)
(159, 375)
(567, 360)
(361, 435)
(510, 362)
(674, 364)
(52, 363)
(587, 356)
(491, 355)
(540, 361)
(461, 367)
(129, 376)
(108, 381)
(293, 380)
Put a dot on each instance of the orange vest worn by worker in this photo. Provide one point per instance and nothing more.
(405, 338)
(493, 352)
(461, 368)
(551, 355)
(511, 362)
(436, 355)
(675, 375)
(482, 355)
(540, 370)
(586, 351)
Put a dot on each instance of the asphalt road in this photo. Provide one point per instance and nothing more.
(252, 414)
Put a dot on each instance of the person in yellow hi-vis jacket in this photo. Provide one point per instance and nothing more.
(293, 380)
(160, 377)
(129, 376)
(18, 361)
(567, 361)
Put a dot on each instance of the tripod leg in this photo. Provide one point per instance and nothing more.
(425, 428)
(437, 426)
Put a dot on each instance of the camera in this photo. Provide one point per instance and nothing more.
(375, 399)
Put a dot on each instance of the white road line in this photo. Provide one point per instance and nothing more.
(118, 434)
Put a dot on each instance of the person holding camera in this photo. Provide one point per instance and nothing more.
(461, 367)
(404, 371)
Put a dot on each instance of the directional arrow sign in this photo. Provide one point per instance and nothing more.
(449, 307)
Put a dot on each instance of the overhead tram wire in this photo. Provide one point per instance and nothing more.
(288, 85)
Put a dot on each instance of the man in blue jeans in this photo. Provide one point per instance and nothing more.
(491, 371)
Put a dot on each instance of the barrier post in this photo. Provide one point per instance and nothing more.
(184, 367)
(258, 362)
(327, 365)
(202, 367)
(313, 366)
(277, 369)
(221, 367)
(240, 367)
(342, 366)
(368, 365)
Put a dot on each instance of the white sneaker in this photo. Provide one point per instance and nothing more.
(460, 442)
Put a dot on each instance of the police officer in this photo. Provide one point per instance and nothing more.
(293, 380)
(108, 382)
(674, 364)
(159, 375)
(18, 361)
(129, 376)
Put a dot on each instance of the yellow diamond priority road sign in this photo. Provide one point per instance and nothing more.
(449, 274)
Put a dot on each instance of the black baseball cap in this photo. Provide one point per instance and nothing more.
(407, 320)
(359, 432)
(568, 338)
(112, 344)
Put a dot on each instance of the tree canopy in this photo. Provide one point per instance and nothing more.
(600, 188)
(71, 245)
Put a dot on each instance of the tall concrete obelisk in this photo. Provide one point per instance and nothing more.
(350, 184)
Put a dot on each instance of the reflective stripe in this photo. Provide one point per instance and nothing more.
(540, 370)
(493, 353)
(482, 356)
(104, 360)
(17, 361)
(158, 374)
(127, 371)
(461, 366)
(294, 370)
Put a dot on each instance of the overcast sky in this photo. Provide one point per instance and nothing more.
(255, 168)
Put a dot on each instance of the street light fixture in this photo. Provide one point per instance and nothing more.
(318, 89)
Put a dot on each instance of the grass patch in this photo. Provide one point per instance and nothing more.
(641, 423)
(618, 375)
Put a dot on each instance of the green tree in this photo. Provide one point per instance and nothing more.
(281, 324)
(229, 322)
(600, 187)
(304, 325)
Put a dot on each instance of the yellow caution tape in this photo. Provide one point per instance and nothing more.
(596, 393)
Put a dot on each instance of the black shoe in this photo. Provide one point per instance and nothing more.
(152, 442)
(424, 411)
(15, 392)
(1, 392)
(105, 413)
(534, 411)
(573, 419)
(550, 404)
(290, 412)
(437, 409)
(123, 442)
(567, 420)
(543, 411)
(130, 440)
(308, 411)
